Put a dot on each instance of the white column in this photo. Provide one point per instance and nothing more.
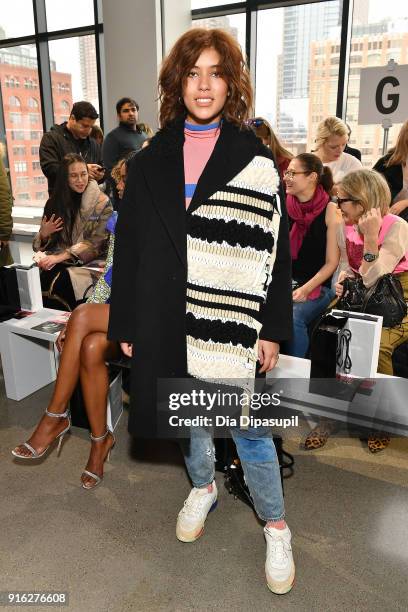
(136, 33)
(176, 19)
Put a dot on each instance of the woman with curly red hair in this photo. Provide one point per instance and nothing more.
(201, 276)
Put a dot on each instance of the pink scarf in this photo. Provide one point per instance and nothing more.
(303, 214)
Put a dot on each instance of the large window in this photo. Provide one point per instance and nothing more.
(296, 86)
(379, 34)
(31, 104)
(19, 64)
(16, 18)
(234, 24)
(74, 14)
(74, 75)
(305, 67)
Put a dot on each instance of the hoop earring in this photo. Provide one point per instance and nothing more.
(180, 101)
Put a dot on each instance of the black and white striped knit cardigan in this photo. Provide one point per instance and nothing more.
(231, 250)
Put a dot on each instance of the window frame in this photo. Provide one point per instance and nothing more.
(40, 39)
(43, 87)
(251, 8)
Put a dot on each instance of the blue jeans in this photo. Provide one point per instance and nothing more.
(259, 460)
(303, 314)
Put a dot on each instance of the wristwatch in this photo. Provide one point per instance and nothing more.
(369, 257)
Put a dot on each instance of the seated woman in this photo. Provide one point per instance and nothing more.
(72, 233)
(85, 350)
(374, 243)
(265, 132)
(331, 140)
(315, 255)
(394, 168)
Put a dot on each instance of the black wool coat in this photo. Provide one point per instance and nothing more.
(148, 297)
(392, 174)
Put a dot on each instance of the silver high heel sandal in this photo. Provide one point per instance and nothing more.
(35, 454)
(98, 479)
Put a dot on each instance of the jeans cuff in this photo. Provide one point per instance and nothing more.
(205, 484)
(274, 519)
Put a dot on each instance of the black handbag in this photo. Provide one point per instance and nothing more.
(385, 299)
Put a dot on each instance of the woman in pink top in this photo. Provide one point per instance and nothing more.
(376, 243)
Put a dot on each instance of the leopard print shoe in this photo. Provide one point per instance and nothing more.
(318, 437)
(377, 443)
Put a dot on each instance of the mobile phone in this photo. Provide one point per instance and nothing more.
(23, 267)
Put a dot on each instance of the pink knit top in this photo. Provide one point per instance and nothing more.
(198, 146)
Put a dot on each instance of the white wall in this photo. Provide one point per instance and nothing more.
(176, 19)
(135, 33)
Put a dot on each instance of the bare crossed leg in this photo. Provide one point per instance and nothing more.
(85, 350)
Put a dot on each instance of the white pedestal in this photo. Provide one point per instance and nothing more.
(30, 360)
(29, 356)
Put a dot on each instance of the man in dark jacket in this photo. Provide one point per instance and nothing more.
(72, 136)
(126, 137)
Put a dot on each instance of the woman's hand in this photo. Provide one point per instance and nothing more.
(300, 294)
(50, 226)
(339, 285)
(127, 348)
(268, 355)
(369, 224)
(398, 207)
(49, 261)
(61, 339)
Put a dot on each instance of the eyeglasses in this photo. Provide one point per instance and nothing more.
(290, 174)
(340, 201)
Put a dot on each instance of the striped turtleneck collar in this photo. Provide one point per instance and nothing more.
(198, 146)
(201, 131)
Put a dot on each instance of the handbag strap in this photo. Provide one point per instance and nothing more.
(369, 293)
(394, 286)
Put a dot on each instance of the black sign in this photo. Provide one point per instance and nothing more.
(392, 98)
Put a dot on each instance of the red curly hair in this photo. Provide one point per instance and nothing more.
(182, 58)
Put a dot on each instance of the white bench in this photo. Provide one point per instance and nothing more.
(385, 401)
(30, 359)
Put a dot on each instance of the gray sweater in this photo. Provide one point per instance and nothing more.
(119, 142)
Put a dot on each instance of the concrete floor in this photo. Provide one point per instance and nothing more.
(114, 549)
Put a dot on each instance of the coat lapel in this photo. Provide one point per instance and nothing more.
(164, 171)
(232, 152)
(163, 166)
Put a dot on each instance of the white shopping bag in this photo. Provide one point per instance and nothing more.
(115, 404)
(29, 287)
(358, 344)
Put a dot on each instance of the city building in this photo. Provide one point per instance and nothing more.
(372, 45)
(23, 121)
(301, 25)
(89, 73)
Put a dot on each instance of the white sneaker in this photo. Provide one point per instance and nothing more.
(191, 518)
(279, 566)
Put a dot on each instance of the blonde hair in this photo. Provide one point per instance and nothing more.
(368, 188)
(115, 172)
(144, 127)
(399, 153)
(331, 126)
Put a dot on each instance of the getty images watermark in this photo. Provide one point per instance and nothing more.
(195, 400)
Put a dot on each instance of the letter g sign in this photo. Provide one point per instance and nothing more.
(391, 98)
